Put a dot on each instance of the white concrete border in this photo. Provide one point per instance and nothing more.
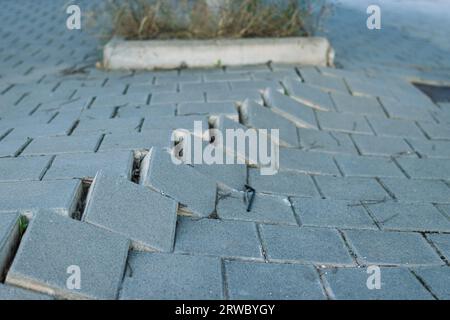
(170, 54)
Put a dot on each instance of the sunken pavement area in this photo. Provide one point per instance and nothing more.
(364, 178)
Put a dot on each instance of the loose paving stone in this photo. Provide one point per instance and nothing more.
(431, 149)
(264, 209)
(179, 122)
(9, 237)
(347, 103)
(163, 110)
(437, 279)
(175, 180)
(396, 284)
(395, 128)
(86, 165)
(426, 168)
(127, 125)
(212, 109)
(232, 239)
(23, 168)
(27, 197)
(409, 217)
(329, 142)
(137, 141)
(284, 183)
(382, 146)
(15, 293)
(391, 248)
(306, 94)
(304, 244)
(436, 131)
(226, 175)
(307, 162)
(172, 277)
(186, 96)
(59, 145)
(324, 82)
(236, 96)
(256, 116)
(145, 217)
(442, 242)
(331, 121)
(332, 213)
(352, 188)
(418, 190)
(403, 110)
(357, 166)
(54, 243)
(301, 115)
(261, 281)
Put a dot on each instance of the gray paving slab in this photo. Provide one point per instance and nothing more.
(395, 128)
(173, 277)
(329, 142)
(437, 279)
(179, 122)
(237, 96)
(418, 190)
(382, 146)
(357, 166)
(23, 168)
(60, 145)
(261, 281)
(255, 85)
(231, 239)
(204, 86)
(351, 188)
(256, 116)
(265, 208)
(304, 244)
(306, 94)
(127, 125)
(436, 131)
(300, 114)
(9, 238)
(145, 217)
(53, 243)
(283, 183)
(409, 217)
(364, 86)
(307, 162)
(15, 293)
(232, 176)
(159, 173)
(186, 96)
(396, 284)
(162, 110)
(431, 148)
(442, 242)
(332, 213)
(117, 99)
(403, 110)
(86, 165)
(137, 141)
(391, 248)
(28, 197)
(328, 83)
(426, 168)
(347, 103)
(340, 122)
(212, 109)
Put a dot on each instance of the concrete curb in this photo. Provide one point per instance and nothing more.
(170, 54)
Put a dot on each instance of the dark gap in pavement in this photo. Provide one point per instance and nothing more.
(436, 93)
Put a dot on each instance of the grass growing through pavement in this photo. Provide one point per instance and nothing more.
(195, 19)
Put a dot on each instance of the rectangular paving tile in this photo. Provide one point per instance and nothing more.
(325, 82)
(179, 122)
(255, 85)
(409, 217)
(160, 110)
(340, 122)
(436, 131)
(426, 168)
(212, 109)
(395, 128)
(404, 110)
(137, 141)
(391, 248)
(442, 242)
(9, 238)
(59, 145)
(14, 293)
(437, 279)
(145, 217)
(347, 103)
(86, 165)
(265, 208)
(396, 284)
(307, 162)
(232, 239)
(329, 142)
(284, 183)
(382, 146)
(357, 166)
(108, 126)
(305, 244)
(204, 86)
(261, 281)
(332, 213)
(309, 95)
(238, 96)
(27, 197)
(227, 176)
(351, 188)
(418, 190)
(186, 96)
(177, 181)
(431, 148)
(53, 244)
(23, 168)
(173, 277)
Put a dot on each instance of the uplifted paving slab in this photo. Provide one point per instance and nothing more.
(144, 216)
(308, 95)
(53, 245)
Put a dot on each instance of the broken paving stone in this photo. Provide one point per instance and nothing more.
(232, 176)
(15, 293)
(59, 145)
(258, 117)
(306, 94)
(53, 243)
(173, 277)
(9, 238)
(145, 217)
(265, 208)
(137, 141)
(28, 197)
(181, 182)
(301, 115)
(212, 109)
(23, 168)
(86, 165)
